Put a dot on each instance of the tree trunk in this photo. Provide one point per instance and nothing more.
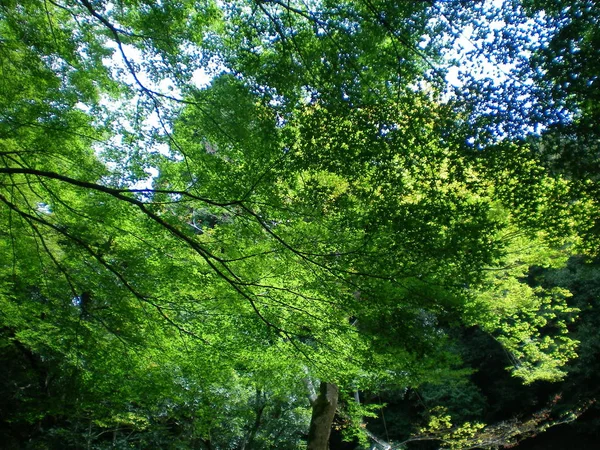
(322, 417)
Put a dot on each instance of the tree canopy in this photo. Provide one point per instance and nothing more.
(210, 208)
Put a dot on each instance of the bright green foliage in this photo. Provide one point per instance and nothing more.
(529, 322)
(178, 262)
(440, 424)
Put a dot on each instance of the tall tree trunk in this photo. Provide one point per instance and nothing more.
(322, 416)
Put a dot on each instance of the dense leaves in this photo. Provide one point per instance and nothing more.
(209, 208)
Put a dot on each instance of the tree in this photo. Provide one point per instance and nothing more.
(531, 79)
(331, 224)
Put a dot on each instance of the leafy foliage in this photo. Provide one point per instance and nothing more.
(180, 260)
